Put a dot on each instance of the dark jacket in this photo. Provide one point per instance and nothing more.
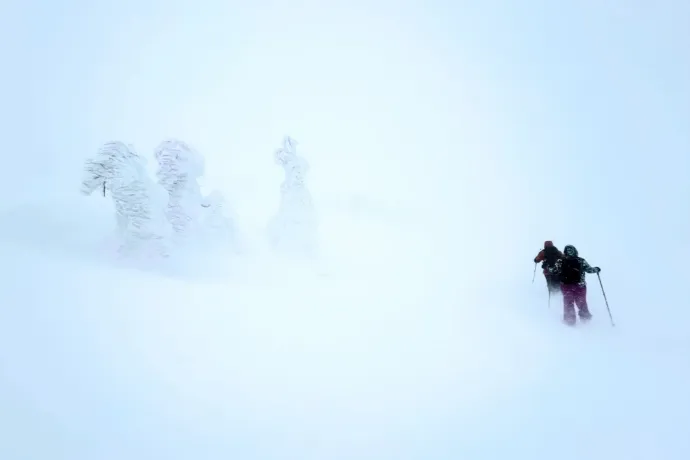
(582, 264)
(548, 256)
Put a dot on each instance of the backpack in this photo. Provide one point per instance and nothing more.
(551, 255)
(571, 270)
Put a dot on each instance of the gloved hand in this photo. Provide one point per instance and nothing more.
(597, 269)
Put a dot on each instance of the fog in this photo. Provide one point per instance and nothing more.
(447, 141)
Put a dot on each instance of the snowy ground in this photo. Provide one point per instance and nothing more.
(364, 354)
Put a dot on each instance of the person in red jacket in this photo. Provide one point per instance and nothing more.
(548, 257)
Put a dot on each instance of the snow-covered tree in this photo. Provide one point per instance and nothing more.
(179, 168)
(220, 221)
(190, 212)
(118, 169)
(295, 225)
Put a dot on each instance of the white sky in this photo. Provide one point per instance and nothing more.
(523, 121)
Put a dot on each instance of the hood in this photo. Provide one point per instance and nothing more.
(548, 244)
(570, 251)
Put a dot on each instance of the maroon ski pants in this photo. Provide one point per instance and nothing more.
(574, 294)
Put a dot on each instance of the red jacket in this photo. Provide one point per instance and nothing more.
(541, 257)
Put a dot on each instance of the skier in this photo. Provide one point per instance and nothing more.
(548, 257)
(139, 209)
(571, 270)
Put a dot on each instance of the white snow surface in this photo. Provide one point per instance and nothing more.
(367, 353)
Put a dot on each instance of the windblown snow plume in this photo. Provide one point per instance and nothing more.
(141, 222)
(294, 228)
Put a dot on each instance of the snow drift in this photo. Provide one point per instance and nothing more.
(368, 352)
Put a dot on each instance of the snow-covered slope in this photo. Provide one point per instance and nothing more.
(447, 140)
(369, 353)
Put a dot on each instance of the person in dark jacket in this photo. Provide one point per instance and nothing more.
(571, 270)
(548, 257)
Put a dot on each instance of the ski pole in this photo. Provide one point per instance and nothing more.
(535, 272)
(606, 300)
